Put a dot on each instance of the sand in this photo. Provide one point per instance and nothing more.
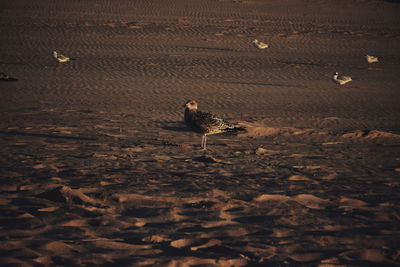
(97, 167)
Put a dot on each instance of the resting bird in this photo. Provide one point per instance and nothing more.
(259, 44)
(206, 123)
(341, 79)
(371, 59)
(5, 78)
(60, 58)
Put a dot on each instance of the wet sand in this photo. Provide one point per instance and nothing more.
(97, 167)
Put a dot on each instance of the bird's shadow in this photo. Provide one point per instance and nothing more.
(44, 135)
(12, 63)
(175, 126)
(8, 79)
(264, 84)
(302, 63)
(210, 48)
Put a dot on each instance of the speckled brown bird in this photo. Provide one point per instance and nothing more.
(206, 123)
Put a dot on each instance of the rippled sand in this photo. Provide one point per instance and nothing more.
(97, 167)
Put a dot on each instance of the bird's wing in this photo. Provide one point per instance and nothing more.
(205, 121)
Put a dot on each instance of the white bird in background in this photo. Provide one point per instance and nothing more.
(341, 79)
(371, 59)
(60, 58)
(259, 44)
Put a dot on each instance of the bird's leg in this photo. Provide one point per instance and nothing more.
(203, 141)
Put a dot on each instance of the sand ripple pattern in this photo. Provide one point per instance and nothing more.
(97, 168)
(124, 62)
(102, 190)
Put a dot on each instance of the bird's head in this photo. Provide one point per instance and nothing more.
(335, 76)
(191, 104)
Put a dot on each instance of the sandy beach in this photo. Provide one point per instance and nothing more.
(97, 167)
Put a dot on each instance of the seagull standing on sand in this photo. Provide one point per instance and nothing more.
(371, 59)
(341, 79)
(206, 123)
(259, 44)
(60, 58)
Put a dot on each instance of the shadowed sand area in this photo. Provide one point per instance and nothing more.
(97, 167)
